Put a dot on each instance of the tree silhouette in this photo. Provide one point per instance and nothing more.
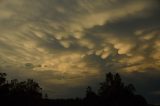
(90, 97)
(113, 92)
(2, 78)
(19, 93)
(26, 89)
(90, 94)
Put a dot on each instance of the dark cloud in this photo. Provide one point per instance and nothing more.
(67, 45)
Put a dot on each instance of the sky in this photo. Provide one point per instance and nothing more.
(66, 45)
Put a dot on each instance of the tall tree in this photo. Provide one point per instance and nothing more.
(113, 92)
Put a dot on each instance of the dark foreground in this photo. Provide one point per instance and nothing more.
(111, 92)
(67, 102)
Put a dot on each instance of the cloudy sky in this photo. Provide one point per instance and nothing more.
(66, 45)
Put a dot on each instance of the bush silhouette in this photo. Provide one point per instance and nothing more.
(111, 92)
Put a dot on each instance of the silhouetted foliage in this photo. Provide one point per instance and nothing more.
(111, 92)
(2, 78)
(90, 93)
(90, 97)
(24, 93)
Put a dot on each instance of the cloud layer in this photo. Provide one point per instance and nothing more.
(68, 44)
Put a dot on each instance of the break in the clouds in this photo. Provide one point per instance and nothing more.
(69, 44)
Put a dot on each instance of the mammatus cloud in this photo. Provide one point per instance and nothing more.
(70, 44)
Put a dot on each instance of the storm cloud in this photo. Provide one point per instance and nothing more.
(68, 44)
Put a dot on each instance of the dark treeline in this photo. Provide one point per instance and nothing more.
(111, 92)
(15, 93)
